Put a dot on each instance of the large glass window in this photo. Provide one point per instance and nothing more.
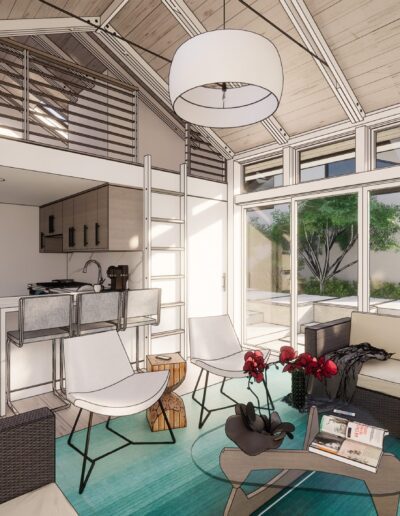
(385, 252)
(263, 175)
(332, 160)
(327, 238)
(388, 147)
(268, 277)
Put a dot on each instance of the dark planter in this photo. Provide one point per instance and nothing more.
(299, 390)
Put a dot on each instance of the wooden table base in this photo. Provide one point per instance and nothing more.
(175, 410)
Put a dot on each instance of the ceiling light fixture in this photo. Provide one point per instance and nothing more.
(226, 78)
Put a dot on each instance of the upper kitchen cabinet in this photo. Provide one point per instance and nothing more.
(108, 218)
(51, 228)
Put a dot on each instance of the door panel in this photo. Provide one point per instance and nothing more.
(207, 257)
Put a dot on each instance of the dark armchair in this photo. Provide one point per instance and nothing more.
(362, 327)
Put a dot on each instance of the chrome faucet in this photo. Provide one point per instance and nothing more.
(100, 279)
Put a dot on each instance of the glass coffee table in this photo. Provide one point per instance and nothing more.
(290, 475)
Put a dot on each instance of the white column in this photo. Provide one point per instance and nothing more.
(363, 149)
(290, 166)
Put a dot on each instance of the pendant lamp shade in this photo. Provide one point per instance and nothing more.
(207, 68)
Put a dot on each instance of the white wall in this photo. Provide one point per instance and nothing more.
(166, 148)
(20, 260)
(76, 261)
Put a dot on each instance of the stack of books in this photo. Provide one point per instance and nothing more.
(354, 443)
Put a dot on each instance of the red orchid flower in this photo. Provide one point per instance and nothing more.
(286, 354)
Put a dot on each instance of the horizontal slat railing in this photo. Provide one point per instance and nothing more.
(46, 101)
(202, 160)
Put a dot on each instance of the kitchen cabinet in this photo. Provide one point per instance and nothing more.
(51, 227)
(108, 218)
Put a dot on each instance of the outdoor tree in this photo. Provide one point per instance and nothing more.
(327, 232)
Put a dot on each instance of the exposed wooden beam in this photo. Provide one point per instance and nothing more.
(314, 41)
(111, 11)
(141, 69)
(193, 27)
(32, 26)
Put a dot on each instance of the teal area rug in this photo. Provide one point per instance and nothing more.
(185, 478)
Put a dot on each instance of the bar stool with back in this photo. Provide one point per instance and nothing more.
(40, 318)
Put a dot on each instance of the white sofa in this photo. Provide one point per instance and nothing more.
(378, 384)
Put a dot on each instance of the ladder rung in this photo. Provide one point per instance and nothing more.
(167, 192)
(168, 248)
(169, 221)
(172, 305)
(172, 276)
(166, 333)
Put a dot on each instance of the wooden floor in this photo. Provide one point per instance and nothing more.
(65, 418)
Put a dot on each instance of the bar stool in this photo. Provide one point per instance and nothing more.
(47, 317)
(98, 312)
(142, 307)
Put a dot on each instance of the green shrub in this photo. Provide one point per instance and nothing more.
(334, 287)
(386, 290)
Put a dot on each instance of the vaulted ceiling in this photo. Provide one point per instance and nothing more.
(360, 37)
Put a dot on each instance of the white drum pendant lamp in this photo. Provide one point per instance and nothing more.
(226, 78)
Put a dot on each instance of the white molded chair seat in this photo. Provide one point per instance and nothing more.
(228, 367)
(128, 396)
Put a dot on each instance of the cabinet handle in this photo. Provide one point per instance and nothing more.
(51, 223)
(85, 239)
(41, 240)
(97, 227)
(71, 237)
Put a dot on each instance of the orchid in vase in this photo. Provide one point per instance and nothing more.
(255, 366)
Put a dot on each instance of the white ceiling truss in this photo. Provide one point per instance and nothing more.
(193, 27)
(314, 41)
(111, 12)
(51, 48)
(33, 26)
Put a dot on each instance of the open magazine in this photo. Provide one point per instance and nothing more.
(354, 443)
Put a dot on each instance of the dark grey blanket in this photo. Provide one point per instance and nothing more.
(349, 361)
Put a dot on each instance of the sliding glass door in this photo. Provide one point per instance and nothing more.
(267, 296)
(327, 258)
(384, 252)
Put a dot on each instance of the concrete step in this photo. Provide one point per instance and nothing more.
(254, 317)
(262, 333)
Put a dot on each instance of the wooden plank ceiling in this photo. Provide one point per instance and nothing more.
(364, 36)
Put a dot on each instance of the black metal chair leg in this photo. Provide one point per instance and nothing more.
(83, 481)
(201, 420)
(129, 441)
(202, 402)
(85, 454)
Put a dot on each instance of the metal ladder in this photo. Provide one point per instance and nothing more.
(149, 222)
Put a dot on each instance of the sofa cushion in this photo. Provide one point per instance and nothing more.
(381, 331)
(379, 376)
(46, 501)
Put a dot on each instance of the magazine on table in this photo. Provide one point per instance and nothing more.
(354, 443)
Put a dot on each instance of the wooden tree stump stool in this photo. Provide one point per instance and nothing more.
(172, 403)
